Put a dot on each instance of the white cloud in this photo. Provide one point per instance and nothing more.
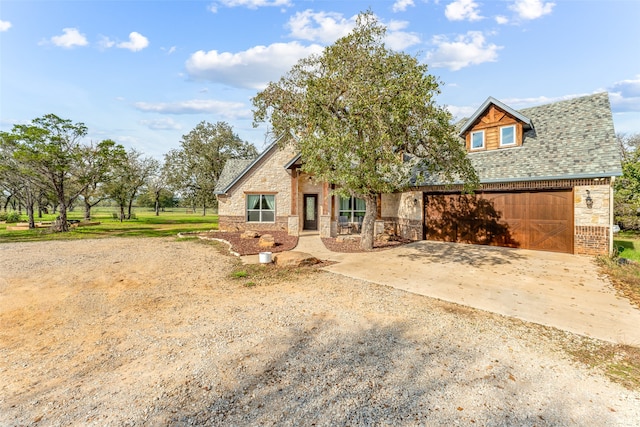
(4, 25)
(399, 40)
(531, 9)
(518, 103)
(253, 68)
(136, 42)
(161, 124)
(70, 38)
(327, 27)
(502, 19)
(105, 42)
(401, 5)
(462, 10)
(625, 95)
(459, 113)
(229, 110)
(249, 4)
(465, 50)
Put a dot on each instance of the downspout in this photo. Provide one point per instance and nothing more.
(611, 216)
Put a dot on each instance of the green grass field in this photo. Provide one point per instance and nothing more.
(145, 224)
(627, 245)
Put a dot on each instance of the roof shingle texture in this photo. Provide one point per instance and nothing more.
(231, 170)
(569, 139)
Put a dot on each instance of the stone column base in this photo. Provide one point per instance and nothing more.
(293, 225)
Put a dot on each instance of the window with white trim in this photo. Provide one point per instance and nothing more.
(353, 208)
(477, 140)
(507, 136)
(261, 208)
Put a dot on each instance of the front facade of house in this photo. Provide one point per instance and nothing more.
(546, 177)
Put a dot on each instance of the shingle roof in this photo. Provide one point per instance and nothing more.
(231, 170)
(569, 139)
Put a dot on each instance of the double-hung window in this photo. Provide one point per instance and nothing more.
(477, 140)
(353, 208)
(507, 136)
(261, 208)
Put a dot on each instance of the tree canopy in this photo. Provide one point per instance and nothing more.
(364, 118)
(194, 169)
(627, 194)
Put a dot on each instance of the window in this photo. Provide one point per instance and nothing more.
(507, 135)
(261, 208)
(477, 140)
(352, 208)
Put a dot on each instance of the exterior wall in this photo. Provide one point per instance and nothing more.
(592, 235)
(491, 122)
(403, 214)
(268, 177)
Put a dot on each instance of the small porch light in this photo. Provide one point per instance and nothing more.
(589, 200)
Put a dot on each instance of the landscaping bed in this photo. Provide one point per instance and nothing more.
(284, 241)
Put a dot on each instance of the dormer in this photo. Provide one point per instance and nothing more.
(494, 126)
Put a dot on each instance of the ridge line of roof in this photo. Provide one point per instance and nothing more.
(248, 167)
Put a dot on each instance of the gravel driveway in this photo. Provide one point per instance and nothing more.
(154, 332)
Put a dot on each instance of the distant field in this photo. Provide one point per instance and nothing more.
(145, 224)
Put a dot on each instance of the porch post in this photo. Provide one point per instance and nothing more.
(294, 191)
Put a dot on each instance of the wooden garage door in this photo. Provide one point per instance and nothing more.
(529, 220)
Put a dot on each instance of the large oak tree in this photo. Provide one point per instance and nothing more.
(364, 118)
(194, 169)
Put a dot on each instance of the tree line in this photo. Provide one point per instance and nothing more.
(47, 165)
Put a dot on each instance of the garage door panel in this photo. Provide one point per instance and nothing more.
(532, 220)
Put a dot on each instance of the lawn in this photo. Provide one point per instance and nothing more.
(627, 245)
(145, 224)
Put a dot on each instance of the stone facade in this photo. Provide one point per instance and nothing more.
(592, 221)
(403, 214)
(267, 177)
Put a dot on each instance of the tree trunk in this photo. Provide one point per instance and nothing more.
(204, 209)
(62, 224)
(121, 213)
(129, 208)
(87, 210)
(32, 221)
(157, 204)
(368, 223)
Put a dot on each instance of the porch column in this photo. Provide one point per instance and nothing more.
(294, 191)
(325, 198)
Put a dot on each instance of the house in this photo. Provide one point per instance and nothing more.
(546, 183)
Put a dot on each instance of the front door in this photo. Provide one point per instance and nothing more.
(310, 212)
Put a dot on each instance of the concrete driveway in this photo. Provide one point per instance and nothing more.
(560, 290)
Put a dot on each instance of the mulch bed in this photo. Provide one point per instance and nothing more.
(284, 242)
(354, 245)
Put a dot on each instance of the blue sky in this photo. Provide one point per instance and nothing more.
(146, 72)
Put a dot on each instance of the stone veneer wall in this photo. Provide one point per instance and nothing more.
(268, 177)
(402, 214)
(592, 232)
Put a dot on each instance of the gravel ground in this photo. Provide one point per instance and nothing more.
(152, 332)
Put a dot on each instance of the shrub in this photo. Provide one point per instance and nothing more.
(12, 216)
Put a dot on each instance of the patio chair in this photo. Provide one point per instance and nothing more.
(344, 225)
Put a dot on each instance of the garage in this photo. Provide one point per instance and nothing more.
(539, 220)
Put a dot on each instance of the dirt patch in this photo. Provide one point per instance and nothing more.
(158, 331)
